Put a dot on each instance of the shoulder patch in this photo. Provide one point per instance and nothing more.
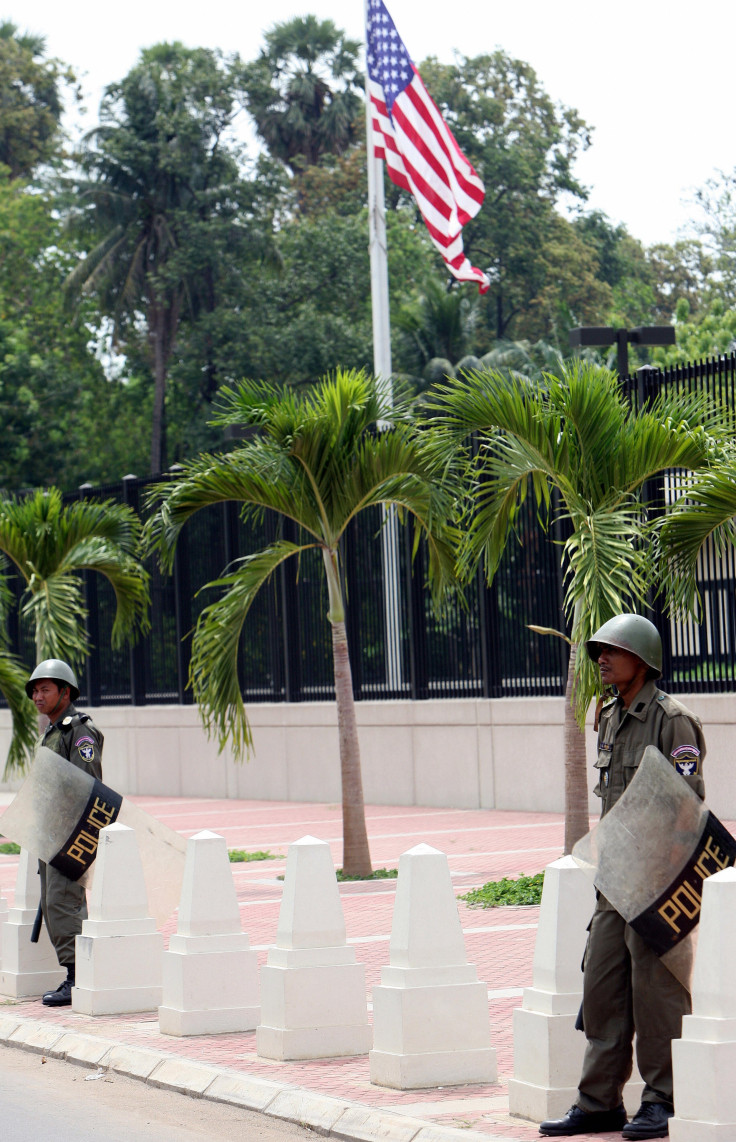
(686, 760)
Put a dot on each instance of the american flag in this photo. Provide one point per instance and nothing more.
(420, 151)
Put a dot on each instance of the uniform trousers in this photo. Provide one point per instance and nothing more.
(64, 905)
(627, 990)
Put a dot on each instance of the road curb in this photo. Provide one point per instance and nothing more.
(330, 1117)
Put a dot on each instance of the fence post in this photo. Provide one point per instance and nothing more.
(418, 663)
(92, 625)
(648, 380)
(137, 660)
(351, 590)
(488, 635)
(290, 619)
(183, 617)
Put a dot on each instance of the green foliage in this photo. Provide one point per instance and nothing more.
(715, 225)
(710, 334)
(573, 443)
(192, 266)
(9, 848)
(377, 874)
(52, 390)
(13, 676)
(50, 545)
(704, 516)
(314, 459)
(31, 106)
(498, 893)
(523, 145)
(163, 207)
(304, 91)
(238, 856)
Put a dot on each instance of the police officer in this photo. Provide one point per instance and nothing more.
(53, 688)
(626, 988)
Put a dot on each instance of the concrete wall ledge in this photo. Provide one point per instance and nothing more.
(504, 753)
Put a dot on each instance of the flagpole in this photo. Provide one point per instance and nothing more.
(378, 249)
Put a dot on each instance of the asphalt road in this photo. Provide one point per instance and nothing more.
(46, 1100)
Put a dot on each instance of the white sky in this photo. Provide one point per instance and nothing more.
(654, 79)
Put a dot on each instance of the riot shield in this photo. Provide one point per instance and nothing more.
(57, 815)
(650, 855)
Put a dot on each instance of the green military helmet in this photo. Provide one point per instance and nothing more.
(633, 633)
(59, 672)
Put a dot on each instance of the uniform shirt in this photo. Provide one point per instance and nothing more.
(653, 718)
(76, 737)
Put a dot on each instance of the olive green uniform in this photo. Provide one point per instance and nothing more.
(63, 901)
(626, 988)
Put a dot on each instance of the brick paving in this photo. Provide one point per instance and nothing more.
(481, 845)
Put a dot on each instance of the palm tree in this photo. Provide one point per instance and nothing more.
(316, 459)
(704, 515)
(50, 546)
(305, 91)
(32, 103)
(161, 190)
(13, 677)
(577, 446)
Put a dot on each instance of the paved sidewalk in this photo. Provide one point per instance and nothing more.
(336, 1096)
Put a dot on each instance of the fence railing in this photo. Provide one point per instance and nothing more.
(480, 646)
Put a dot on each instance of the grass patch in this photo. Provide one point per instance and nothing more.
(377, 874)
(10, 848)
(497, 893)
(238, 855)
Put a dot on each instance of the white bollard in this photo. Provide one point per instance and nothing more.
(548, 1051)
(704, 1059)
(313, 1000)
(431, 1024)
(3, 918)
(25, 968)
(118, 955)
(210, 975)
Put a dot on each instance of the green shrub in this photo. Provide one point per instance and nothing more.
(496, 893)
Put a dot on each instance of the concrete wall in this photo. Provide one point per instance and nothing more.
(469, 753)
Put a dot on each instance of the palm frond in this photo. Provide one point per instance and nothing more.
(22, 711)
(55, 606)
(705, 513)
(214, 662)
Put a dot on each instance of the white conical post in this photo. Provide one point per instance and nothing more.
(704, 1059)
(118, 954)
(210, 975)
(548, 1050)
(430, 1013)
(313, 1001)
(311, 913)
(25, 968)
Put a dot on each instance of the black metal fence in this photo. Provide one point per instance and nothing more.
(479, 647)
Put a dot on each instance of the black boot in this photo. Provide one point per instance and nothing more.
(579, 1121)
(62, 997)
(650, 1121)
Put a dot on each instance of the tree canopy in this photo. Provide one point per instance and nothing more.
(193, 258)
(31, 104)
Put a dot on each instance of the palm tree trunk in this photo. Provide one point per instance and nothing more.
(356, 857)
(576, 786)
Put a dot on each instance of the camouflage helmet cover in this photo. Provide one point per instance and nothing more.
(58, 671)
(633, 633)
